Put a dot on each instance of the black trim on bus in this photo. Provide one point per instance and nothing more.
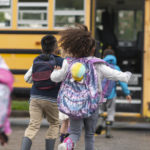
(142, 94)
(21, 93)
(18, 71)
(27, 32)
(20, 51)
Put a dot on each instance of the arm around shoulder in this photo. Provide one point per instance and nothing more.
(59, 75)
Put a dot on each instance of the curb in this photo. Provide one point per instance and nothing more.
(24, 122)
(19, 113)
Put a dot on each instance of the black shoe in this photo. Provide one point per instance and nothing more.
(3, 138)
(63, 136)
(99, 129)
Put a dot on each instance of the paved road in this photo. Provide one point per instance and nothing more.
(124, 139)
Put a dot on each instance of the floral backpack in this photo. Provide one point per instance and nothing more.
(80, 99)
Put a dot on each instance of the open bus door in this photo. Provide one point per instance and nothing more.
(119, 25)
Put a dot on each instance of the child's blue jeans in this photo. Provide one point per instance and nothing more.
(89, 125)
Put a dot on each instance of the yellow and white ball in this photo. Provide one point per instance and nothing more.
(78, 71)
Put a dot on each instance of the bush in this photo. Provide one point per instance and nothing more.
(20, 105)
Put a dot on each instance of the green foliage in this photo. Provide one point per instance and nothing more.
(147, 119)
(20, 105)
(2, 17)
(130, 23)
(126, 25)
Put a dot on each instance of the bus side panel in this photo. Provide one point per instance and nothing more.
(21, 41)
(20, 83)
(19, 61)
(19, 51)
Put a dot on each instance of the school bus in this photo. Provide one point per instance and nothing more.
(123, 25)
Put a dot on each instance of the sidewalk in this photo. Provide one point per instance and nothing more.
(117, 124)
(123, 139)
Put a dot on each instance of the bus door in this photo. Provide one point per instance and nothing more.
(119, 26)
(146, 76)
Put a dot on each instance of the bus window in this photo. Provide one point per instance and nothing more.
(139, 21)
(129, 25)
(33, 14)
(69, 12)
(5, 13)
(99, 18)
(126, 25)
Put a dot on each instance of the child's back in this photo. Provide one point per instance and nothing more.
(42, 85)
(43, 94)
(109, 57)
(79, 43)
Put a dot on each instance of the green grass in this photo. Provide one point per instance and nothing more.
(20, 105)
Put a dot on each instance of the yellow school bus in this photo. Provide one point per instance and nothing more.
(123, 25)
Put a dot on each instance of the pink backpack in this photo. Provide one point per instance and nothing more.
(6, 86)
(6, 77)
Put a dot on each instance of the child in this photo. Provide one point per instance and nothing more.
(43, 94)
(65, 123)
(64, 129)
(109, 57)
(6, 86)
(79, 43)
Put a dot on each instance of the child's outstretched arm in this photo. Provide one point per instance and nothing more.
(124, 87)
(129, 98)
(59, 74)
(28, 76)
(125, 90)
(113, 74)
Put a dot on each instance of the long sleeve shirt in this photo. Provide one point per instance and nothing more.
(103, 71)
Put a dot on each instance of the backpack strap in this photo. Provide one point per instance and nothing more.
(103, 99)
(98, 60)
(71, 60)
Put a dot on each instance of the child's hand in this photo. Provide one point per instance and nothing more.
(3, 139)
(57, 67)
(129, 98)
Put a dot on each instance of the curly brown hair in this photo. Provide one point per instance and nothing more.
(77, 41)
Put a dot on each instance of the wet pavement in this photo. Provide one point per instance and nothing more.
(127, 136)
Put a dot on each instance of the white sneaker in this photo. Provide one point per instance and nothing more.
(62, 146)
